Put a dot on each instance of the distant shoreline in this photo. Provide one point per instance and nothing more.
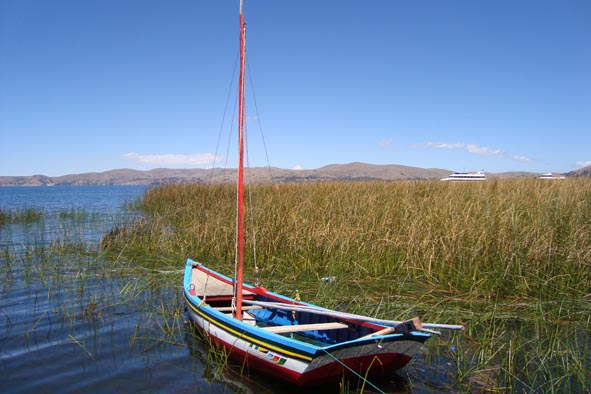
(334, 172)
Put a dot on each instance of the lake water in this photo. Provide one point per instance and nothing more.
(59, 198)
(71, 321)
(65, 325)
(78, 214)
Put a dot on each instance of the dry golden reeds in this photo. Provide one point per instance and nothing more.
(511, 237)
(511, 259)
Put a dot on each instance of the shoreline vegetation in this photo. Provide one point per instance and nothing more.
(333, 172)
(29, 215)
(509, 259)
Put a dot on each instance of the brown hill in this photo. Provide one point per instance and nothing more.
(581, 172)
(161, 176)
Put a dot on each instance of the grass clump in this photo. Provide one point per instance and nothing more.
(25, 216)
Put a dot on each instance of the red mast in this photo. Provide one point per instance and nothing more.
(240, 187)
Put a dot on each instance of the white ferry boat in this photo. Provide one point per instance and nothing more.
(550, 175)
(466, 177)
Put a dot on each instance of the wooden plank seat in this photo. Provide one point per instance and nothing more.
(244, 308)
(212, 299)
(305, 327)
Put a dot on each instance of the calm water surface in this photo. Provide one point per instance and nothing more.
(72, 213)
(71, 321)
(58, 198)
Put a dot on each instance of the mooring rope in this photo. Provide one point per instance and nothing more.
(354, 372)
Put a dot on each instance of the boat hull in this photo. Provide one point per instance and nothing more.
(294, 361)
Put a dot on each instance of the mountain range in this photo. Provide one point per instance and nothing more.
(333, 172)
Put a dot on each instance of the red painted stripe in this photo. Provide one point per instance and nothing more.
(330, 373)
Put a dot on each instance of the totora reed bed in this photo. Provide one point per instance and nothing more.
(510, 259)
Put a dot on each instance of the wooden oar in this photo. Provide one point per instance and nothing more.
(328, 312)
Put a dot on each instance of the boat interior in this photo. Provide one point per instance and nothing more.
(321, 330)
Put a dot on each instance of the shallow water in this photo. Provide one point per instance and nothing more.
(71, 321)
(94, 208)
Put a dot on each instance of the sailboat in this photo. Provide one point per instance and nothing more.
(283, 337)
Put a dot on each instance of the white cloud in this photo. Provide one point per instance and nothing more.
(475, 149)
(297, 167)
(385, 142)
(484, 151)
(524, 159)
(172, 159)
(584, 163)
(443, 145)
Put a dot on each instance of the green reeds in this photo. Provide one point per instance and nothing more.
(29, 215)
(511, 259)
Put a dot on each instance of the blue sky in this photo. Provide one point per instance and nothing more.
(90, 86)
